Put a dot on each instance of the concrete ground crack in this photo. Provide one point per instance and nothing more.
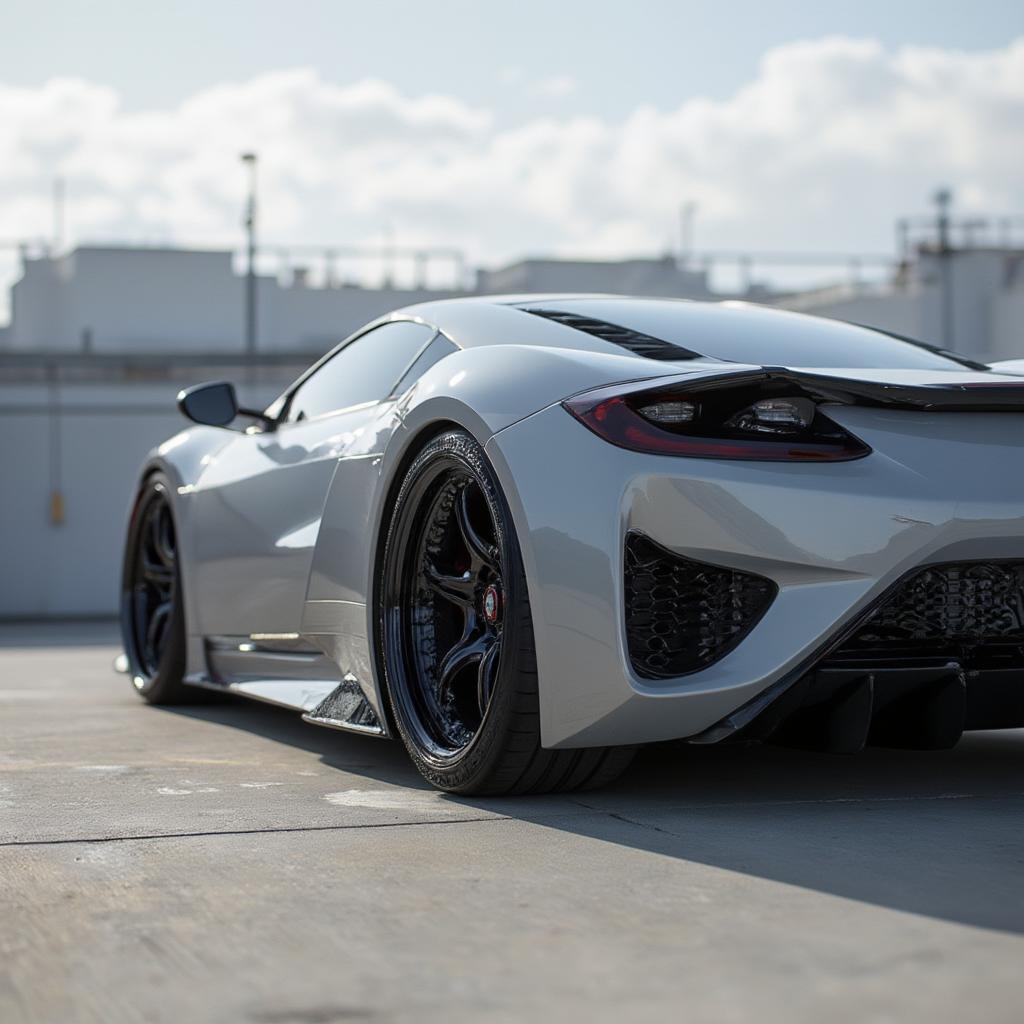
(644, 824)
(247, 832)
(625, 820)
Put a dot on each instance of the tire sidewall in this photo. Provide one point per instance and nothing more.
(166, 683)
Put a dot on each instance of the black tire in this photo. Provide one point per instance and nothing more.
(152, 601)
(452, 593)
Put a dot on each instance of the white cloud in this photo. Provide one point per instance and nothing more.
(828, 143)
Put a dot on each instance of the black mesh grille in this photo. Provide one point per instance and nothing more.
(948, 608)
(683, 615)
(941, 652)
(634, 341)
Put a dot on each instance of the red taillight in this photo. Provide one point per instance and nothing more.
(720, 427)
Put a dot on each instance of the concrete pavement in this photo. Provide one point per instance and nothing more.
(228, 862)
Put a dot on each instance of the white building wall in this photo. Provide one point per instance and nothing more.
(976, 279)
(662, 277)
(987, 310)
(301, 319)
(171, 300)
(128, 300)
(38, 303)
(1008, 325)
(90, 453)
(899, 312)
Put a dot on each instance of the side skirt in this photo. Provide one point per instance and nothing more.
(288, 672)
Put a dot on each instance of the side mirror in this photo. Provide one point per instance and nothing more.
(213, 405)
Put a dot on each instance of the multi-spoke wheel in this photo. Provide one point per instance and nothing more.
(152, 617)
(457, 637)
(450, 610)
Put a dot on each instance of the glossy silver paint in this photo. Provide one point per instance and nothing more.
(832, 536)
(280, 531)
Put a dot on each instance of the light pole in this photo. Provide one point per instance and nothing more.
(943, 199)
(250, 271)
(687, 211)
(58, 216)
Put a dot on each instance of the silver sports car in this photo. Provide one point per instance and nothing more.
(526, 534)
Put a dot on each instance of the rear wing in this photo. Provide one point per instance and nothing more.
(960, 395)
(966, 396)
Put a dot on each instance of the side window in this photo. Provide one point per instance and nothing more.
(363, 371)
(433, 353)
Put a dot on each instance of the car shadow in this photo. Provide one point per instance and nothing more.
(930, 833)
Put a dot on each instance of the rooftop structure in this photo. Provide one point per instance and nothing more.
(118, 299)
(970, 301)
(663, 277)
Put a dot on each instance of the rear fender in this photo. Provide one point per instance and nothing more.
(479, 390)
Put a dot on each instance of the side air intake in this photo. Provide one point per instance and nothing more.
(633, 341)
(683, 615)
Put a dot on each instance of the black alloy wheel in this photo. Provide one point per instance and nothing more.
(447, 601)
(152, 616)
(457, 636)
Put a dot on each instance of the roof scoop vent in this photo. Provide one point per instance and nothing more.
(633, 341)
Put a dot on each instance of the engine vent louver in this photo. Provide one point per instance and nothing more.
(633, 341)
(683, 615)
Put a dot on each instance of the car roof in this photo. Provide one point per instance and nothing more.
(678, 330)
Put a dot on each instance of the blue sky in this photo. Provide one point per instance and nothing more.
(618, 55)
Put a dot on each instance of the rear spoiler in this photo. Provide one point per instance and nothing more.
(961, 396)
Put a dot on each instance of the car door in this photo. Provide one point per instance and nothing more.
(257, 505)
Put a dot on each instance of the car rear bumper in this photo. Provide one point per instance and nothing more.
(937, 488)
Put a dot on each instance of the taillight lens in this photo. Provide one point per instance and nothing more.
(759, 419)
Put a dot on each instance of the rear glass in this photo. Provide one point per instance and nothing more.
(765, 337)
